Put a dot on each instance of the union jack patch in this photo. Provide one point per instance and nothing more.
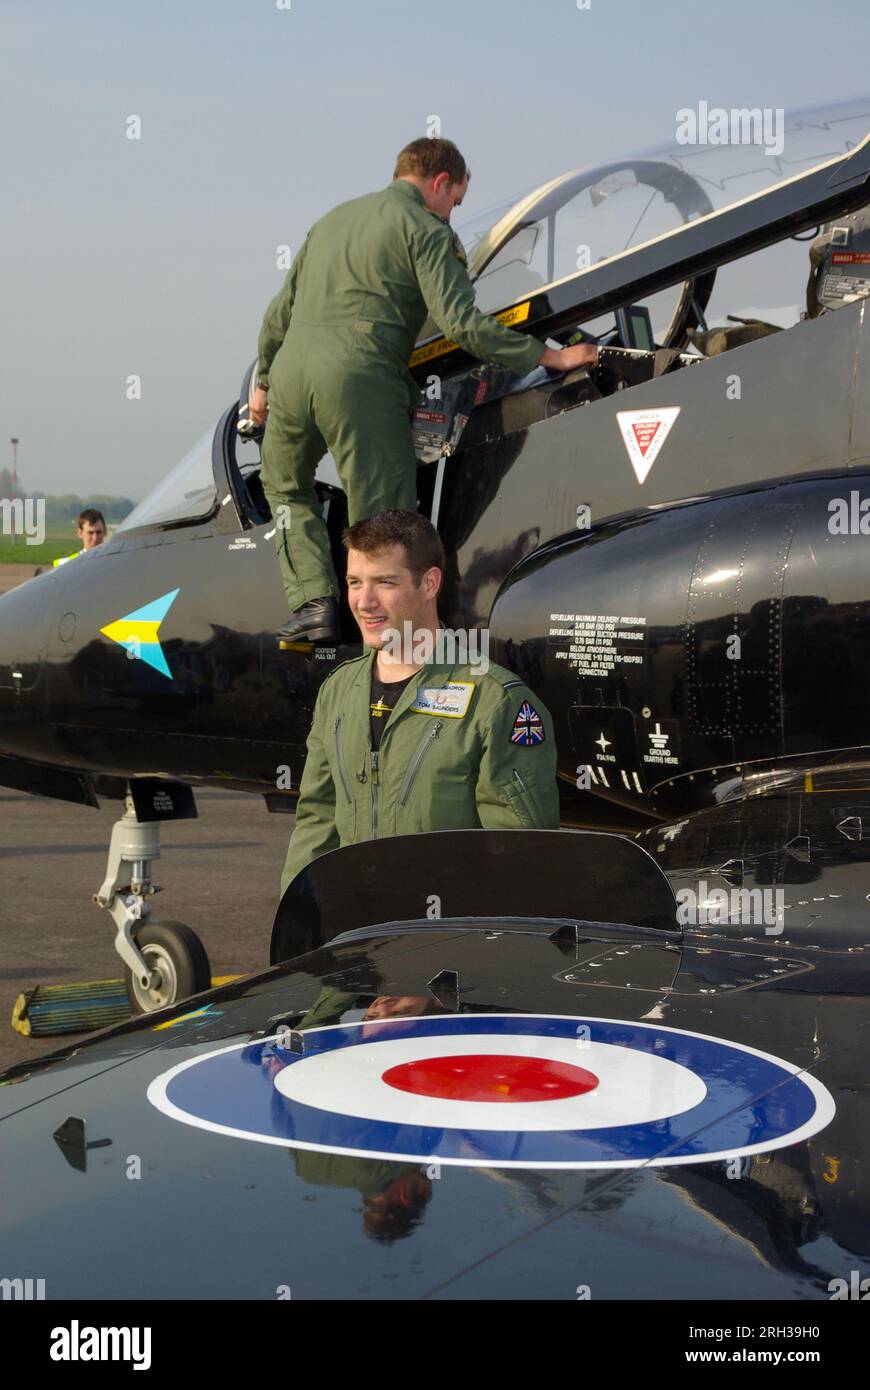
(528, 728)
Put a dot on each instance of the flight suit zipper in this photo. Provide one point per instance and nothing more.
(374, 794)
(342, 770)
(422, 747)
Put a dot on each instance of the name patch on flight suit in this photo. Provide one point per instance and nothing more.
(451, 700)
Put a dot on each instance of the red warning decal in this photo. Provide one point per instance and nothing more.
(643, 433)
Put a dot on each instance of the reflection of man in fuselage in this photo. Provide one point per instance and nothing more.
(394, 1195)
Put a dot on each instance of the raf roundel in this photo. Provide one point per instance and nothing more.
(501, 1090)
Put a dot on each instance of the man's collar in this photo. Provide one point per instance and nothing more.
(409, 189)
(438, 673)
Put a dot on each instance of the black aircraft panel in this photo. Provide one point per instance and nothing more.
(782, 1220)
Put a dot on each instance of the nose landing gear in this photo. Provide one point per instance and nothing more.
(164, 961)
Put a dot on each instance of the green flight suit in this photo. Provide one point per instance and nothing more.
(435, 770)
(334, 350)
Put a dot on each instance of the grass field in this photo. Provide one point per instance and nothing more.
(60, 539)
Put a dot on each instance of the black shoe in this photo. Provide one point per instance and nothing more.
(316, 621)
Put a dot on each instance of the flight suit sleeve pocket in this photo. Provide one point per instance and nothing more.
(517, 804)
(521, 798)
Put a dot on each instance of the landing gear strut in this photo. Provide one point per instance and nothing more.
(163, 961)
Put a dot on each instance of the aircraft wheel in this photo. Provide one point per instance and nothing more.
(177, 956)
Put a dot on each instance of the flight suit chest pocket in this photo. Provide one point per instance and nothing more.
(418, 758)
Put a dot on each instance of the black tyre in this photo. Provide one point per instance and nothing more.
(178, 956)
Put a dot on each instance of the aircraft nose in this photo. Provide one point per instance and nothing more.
(24, 615)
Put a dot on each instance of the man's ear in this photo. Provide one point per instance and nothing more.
(439, 181)
(432, 581)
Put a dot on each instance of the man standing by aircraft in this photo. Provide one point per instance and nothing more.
(398, 746)
(91, 531)
(333, 356)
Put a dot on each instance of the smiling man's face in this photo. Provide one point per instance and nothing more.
(384, 594)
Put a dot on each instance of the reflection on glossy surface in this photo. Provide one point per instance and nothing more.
(777, 1224)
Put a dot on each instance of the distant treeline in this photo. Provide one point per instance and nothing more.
(66, 506)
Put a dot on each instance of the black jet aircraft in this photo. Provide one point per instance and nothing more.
(484, 1064)
(671, 548)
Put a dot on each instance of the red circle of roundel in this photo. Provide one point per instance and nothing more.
(490, 1077)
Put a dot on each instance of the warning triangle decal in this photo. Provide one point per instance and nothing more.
(643, 433)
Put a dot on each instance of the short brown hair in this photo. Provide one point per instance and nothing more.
(427, 157)
(418, 537)
(91, 515)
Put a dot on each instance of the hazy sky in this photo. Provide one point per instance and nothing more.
(157, 256)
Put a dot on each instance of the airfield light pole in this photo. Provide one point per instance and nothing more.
(14, 443)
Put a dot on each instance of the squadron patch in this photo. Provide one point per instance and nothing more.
(451, 700)
(501, 1090)
(528, 726)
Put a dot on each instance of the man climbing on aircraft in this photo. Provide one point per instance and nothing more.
(407, 737)
(333, 357)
